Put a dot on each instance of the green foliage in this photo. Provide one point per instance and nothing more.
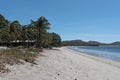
(42, 25)
(13, 33)
(34, 34)
(3, 22)
(14, 56)
(55, 40)
(3, 25)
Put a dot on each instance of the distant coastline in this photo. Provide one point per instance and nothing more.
(89, 43)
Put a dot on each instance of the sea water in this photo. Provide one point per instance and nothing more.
(109, 52)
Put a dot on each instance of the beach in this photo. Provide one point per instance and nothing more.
(64, 64)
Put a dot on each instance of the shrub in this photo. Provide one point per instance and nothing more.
(14, 56)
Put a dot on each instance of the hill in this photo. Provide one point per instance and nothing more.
(116, 43)
(88, 43)
(81, 43)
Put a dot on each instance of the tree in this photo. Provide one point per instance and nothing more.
(3, 22)
(3, 31)
(55, 40)
(36, 31)
(24, 33)
(42, 25)
(4, 35)
(29, 33)
(15, 31)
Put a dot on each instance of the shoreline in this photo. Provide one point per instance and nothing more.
(101, 59)
(64, 64)
(99, 53)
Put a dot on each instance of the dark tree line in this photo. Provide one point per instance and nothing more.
(34, 34)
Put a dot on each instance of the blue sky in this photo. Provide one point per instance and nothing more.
(97, 20)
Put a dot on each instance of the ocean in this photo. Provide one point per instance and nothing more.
(109, 52)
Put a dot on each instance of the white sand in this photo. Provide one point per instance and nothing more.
(65, 64)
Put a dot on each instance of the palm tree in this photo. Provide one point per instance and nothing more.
(4, 36)
(42, 25)
(3, 22)
(3, 25)
(15, 31)
(24, 35)
(35, 31)
(28, 33)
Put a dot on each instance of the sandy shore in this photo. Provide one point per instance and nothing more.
(65, 64)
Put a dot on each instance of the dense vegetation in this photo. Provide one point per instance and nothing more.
(16, 56)
(24, 42)
(34, 34)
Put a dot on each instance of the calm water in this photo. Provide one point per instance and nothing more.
(110, 52)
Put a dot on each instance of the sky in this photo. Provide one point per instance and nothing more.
(97, 20)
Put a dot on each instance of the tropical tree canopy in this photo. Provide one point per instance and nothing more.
(42, 25)
(35, 33)
(3, 22)
(55, 39)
